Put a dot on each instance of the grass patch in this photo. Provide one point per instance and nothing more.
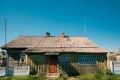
(98, 77)
(29, 77)
(80, 77)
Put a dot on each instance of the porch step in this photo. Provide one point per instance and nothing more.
(52, 75)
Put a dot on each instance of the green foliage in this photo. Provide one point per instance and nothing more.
(118, 52)
(80, 77)
(106, 72)
(62, 77)
(2, 53)
(98, 77)
(90, 77)
(30, 77)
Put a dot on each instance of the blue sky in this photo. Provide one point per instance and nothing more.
(36, 17)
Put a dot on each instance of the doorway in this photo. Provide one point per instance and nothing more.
(53, 64)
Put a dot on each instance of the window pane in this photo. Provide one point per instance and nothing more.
(64, 59)
(87, 60)
(23, 57)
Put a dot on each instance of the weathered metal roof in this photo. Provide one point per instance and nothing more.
(54, 44)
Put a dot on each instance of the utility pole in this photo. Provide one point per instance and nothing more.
(6, 69)
(5, 31)
(84, 25)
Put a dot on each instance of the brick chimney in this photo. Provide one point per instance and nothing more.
(47, 34)
(63, 35)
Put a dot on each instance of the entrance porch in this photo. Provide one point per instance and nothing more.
(53, 66)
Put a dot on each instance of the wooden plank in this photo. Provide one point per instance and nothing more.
(38, 62)
(74, 66)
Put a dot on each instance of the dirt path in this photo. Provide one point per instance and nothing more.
(72, 78)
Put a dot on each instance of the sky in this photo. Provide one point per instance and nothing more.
(36, 17)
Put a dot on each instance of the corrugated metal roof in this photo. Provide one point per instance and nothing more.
(54, 44)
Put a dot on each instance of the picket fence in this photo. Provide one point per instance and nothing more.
(2, 71)
(115, 67)
(16, 70)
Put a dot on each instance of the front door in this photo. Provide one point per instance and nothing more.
(53, 64)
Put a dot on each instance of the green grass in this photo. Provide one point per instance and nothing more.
(80, 77)
(29, 77)
(98, 77)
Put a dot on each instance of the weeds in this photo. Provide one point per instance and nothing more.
(63, 77)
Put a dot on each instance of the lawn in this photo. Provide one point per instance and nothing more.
(80, 77)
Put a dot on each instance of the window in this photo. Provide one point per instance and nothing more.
(64, 59)
(87, 60)
(23, 57)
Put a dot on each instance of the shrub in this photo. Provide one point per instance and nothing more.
(106, 72)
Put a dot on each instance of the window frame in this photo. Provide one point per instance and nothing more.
(88, 58)
(65, 58)
(22, 56)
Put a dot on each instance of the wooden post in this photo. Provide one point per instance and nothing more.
(105, 64)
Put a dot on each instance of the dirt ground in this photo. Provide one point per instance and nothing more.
(72, 78)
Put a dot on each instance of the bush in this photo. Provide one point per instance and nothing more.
(63, 77)
(107, 72)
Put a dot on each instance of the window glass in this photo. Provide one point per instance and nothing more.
(64, 59)
(22, 57)
(87, 60)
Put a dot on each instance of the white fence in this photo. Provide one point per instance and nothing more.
(17, 70)
(2, 71)
(115, 67)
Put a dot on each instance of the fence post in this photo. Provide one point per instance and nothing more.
(28, 69)
(111, 66)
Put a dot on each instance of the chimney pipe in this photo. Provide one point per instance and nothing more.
(63, 35)
(47, 34)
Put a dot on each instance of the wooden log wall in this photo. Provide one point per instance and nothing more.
(38, 62)
(13, 58)
(74, 68)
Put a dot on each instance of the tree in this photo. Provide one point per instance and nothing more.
(2, 57)
(118, 51)
(112, 57)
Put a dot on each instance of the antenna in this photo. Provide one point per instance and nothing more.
(7, 62)
(84, 25)
(5, 31)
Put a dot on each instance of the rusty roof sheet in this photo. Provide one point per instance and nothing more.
(55, 43)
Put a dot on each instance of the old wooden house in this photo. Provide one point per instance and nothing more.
(48, 54)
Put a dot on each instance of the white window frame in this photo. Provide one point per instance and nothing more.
(87, 60)
(23, 56)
